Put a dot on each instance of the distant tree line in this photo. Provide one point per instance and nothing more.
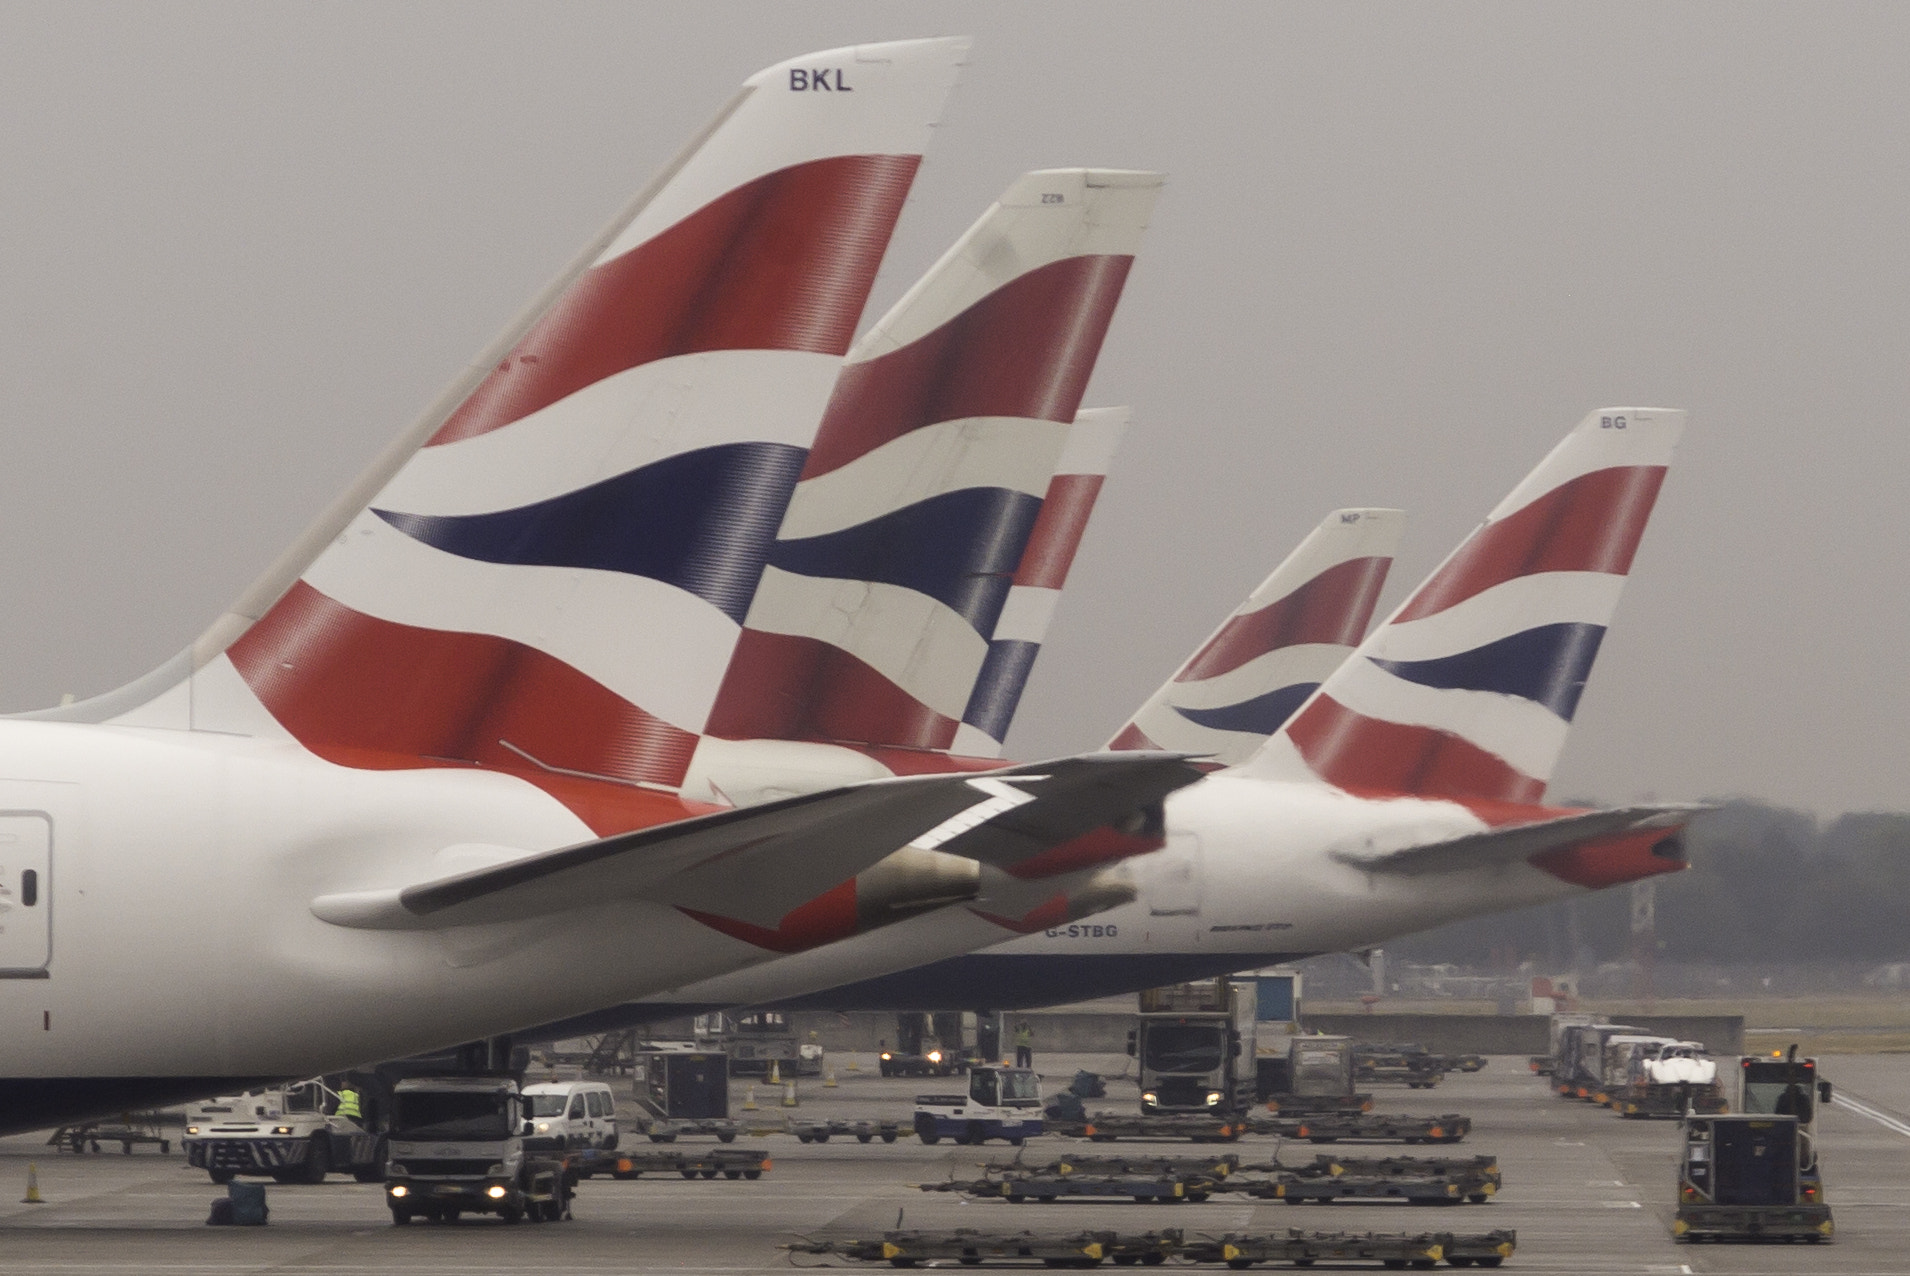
(1765, 885)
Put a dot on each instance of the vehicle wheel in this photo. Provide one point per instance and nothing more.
(1017, 1141)
(610, 1144)
(864, 1138)
(221, 1176)
(925, 1129)
(318, 1159)
(727, 1137)
(1460, 1262)
(708, 1174)
(805, 1138)
(400, 1216)
(732, 1174)
(1016, 1198)
(888, 1136)
(511, 1214)
(1479, 1198)
(823, 1137)
(1240, 1264)
(752, 1175)
(374, 1172)
(1153, 1260)
(688, 1174)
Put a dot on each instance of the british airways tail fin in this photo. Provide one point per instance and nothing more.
(550, 568)
(1039, 579)
(1468, 690)
(917, 504)
(1246, 680)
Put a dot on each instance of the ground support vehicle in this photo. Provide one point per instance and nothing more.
(1740, 1179)
(1304, 1249)
(970, 1246)
(1313, 1074)
(1410, 1064)
(570, 1117)
(457, 1146)
(1579, 1070)
(132, 1130)
(1107, 1127)
(757, 1042)
(677, 1087)
(1668, 1102)
(1447, 1180)
(1195, 1044)
(284, 1133)
(669, 1130)
(1139, 1179)
(1001, 1103)
(1363, 1127)
(860, 1131)
(731, 1163)
(928, 1045)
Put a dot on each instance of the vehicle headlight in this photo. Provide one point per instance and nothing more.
(1149, 1097)
(935, 1056)
(1213, 1098)
(543, 1127)
(496, 1191)
(281, 1129)
(192, 1129)
(887, 1055)
(399, 1189)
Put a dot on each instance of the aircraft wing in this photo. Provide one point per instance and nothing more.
(1521, 842)
(760, 862)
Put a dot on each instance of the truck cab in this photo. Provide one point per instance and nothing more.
(1190, 1044)
(458, 1146)
(1001, 1103)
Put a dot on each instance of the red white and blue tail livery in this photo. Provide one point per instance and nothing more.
(1278, 647)
(1039, 579)
(1468, 689)
(913, 510)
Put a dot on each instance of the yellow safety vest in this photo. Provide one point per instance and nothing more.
(348, 1104)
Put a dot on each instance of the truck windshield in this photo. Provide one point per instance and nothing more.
(1182, 1048)
(546, 1105)
(1778, 1096)
(1019, 1085)
(452, 1115)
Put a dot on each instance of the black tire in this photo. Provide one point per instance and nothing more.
(752, 1175)
(318, 1159)
(925, 1129)
(805, 1138)
(400, 1216)
(888, 1136)
(1017, 1141)
(708, 1174)
(732, 1174)
(864, 1138)
(610, 1144)
(221, 1176)
(688, 1174)
(727, 1137)
(512, 1215)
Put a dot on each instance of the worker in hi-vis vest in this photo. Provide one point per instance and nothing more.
(1024, 1046)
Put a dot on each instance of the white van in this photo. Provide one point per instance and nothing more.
(570, 1116)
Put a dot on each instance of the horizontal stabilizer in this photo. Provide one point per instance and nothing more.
(1501, 846)
(758, 863)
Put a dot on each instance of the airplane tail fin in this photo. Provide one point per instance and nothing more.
(549, 569)
(1293, 631)
(916, 505)
(1043, 573)
(1468, 690)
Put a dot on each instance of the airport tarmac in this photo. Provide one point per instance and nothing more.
(1587, 1192)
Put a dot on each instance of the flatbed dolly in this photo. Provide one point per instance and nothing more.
(1363, 1127)
(1107, 1127)
(1447, 1180)
(731, 1163)
(971, 1246)
(860, 1131)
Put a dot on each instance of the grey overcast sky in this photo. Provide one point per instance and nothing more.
(1403, 248)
